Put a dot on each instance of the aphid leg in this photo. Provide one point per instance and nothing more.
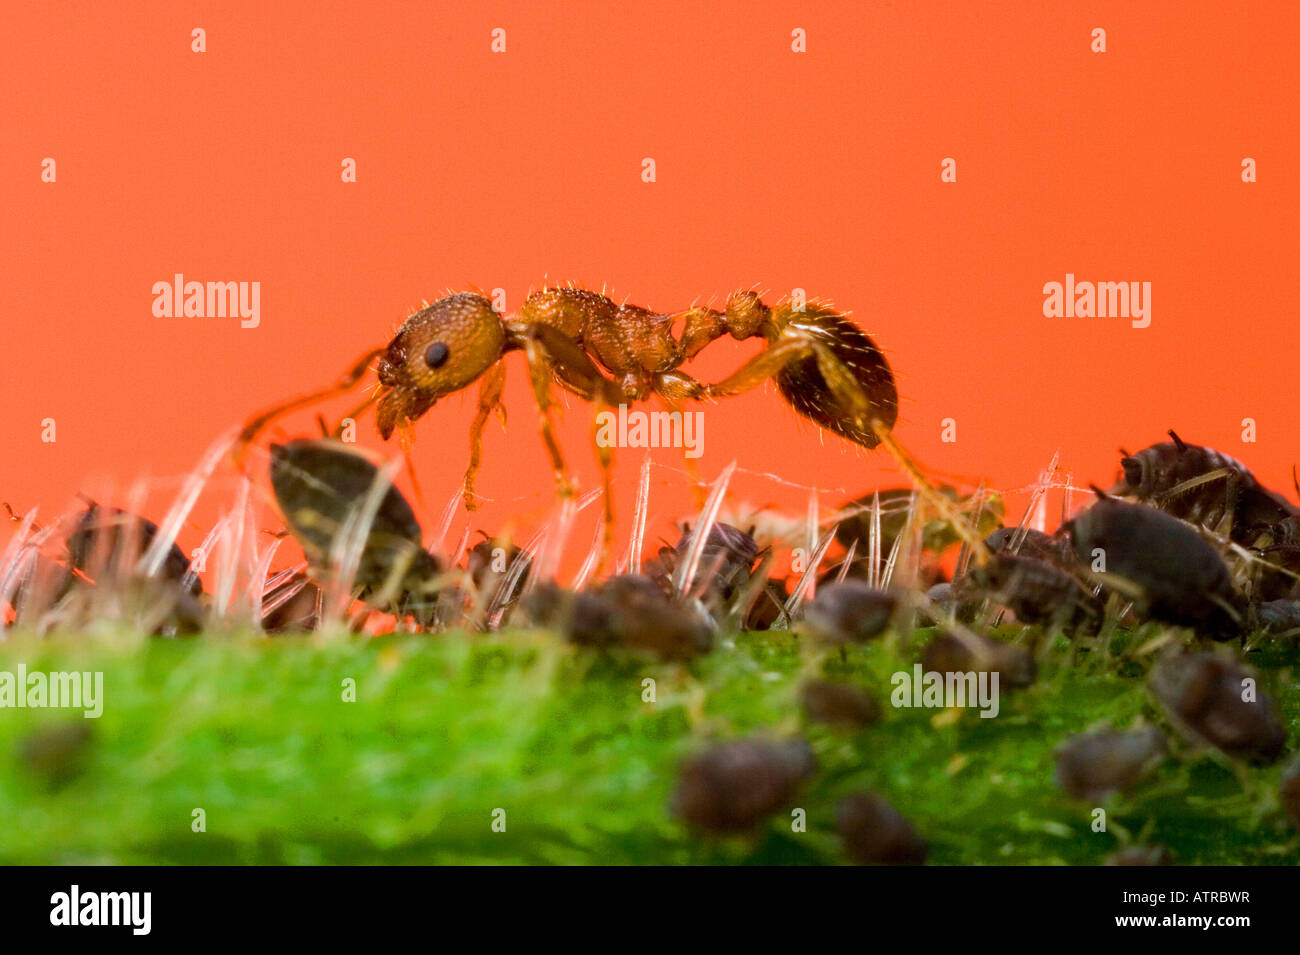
(255, 425)
(489, 399)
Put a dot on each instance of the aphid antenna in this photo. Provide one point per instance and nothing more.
(209, 543)
(802, 589)
(685, 572)
(639, 518)
(847, 562)
(152, 560)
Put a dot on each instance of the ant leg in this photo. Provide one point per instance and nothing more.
(489, 399)
(849, 393)
(674, 387)
(606, 459)
(847, 390)
(355, 413)
(258, 423)
(539, 375)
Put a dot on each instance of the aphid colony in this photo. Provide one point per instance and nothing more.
(1187, 549)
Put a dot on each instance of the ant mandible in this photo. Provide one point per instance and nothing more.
(824, 366)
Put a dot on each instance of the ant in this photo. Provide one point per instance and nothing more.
(609, 354)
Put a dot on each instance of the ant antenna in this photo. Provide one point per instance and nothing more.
(1101, 495)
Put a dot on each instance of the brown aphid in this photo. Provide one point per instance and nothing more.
(1035, 590)
(320, 486)
(110, 539)
(838, 704)
(56, 755)
(1278, 616)
(875, 833)
(732, 787)
(1162, 564)
(1032, 543)
(499, 572)
(1215, 700)
(1288, 790)
(726, 562)
(849, 612)
(1146, 855)
(971, 653)
(628, 611)
(854, 524)
(1202, 486)
(1092, 766)
(770, 603)
(295, 604)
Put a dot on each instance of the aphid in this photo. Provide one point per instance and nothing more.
(1092, 766)
(971, 653)
(1288, 790)
(499, 572)
(1202, 486)
(732, 787)
(875, 833)
(1141, 856)
(767, 609)
(725, 564)
(838, 704)
(855, 517)
(1215, 700)
(1036, 591)
(849, 612)
(292, 606)
(56, 755)
(321, 487)
(1032, 543)
(113, 540)
(1278, 616)
(824, 366)
(628, 611)
(1161, 563)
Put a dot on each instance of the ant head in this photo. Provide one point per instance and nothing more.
(442, 348)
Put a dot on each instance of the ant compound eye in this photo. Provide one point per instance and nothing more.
(436, 355)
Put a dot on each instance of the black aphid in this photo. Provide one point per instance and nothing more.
(733, 787)
(875, 833)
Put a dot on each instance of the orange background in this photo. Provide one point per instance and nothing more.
(775, 169)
